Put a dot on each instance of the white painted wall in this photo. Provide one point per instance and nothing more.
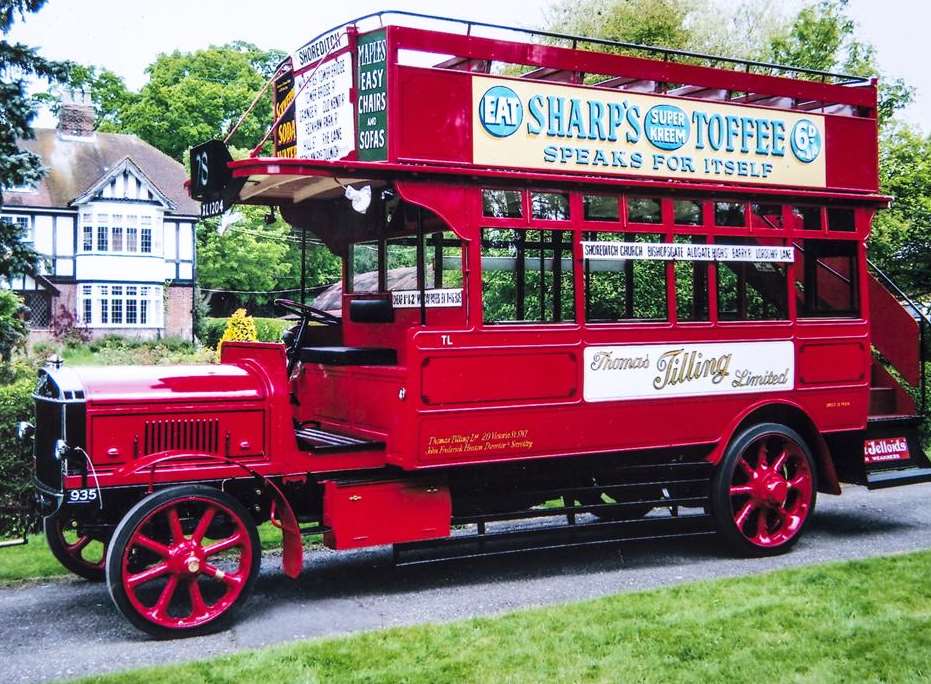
(101, 267)
(43, 234)
(64, 235)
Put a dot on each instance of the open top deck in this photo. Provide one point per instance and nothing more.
(371, 100)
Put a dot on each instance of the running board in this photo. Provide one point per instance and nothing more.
(511, 541)
(881, 479)
(311, 437)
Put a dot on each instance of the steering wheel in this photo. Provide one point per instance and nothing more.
(308, 312)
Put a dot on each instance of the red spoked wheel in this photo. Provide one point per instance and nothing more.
(75, 546)
(182, 560)
(764, 490)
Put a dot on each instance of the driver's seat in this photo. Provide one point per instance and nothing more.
(349, 356)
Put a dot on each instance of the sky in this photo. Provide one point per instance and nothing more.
(127, 36)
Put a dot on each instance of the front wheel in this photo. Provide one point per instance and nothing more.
(78, 549)
(182, 560)
(764, 490)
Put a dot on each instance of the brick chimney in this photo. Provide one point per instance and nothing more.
(76, 116)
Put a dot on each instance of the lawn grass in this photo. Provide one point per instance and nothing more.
(860, 621)
(34, 561)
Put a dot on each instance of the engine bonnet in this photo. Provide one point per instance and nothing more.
(112, 384)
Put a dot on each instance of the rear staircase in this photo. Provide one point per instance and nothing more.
(893, 445)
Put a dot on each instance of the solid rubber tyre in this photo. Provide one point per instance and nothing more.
(764, 489)
(70, 555)
(185, 559)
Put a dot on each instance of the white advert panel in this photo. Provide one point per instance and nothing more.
(323, 110)
(651, 371)
(671, 251)
(410, 299)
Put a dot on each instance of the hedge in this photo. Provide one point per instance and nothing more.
(15, 459)
(267, 329)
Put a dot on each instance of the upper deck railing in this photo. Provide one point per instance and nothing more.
(453, 95)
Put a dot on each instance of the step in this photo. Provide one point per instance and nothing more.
(882, 401)
(882, 479)
(311, 437)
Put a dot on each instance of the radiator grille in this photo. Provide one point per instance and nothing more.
(192, 434)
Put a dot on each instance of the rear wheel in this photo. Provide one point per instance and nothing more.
(75, 547)
(764, 490)
(182, 560)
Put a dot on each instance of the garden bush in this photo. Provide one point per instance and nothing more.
(16, 385)
(267, 329)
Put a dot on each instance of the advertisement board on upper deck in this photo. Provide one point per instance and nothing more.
(537, 125)
(312, 92)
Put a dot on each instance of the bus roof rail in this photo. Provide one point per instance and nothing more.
(576, 41)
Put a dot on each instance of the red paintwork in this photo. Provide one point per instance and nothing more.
(895, 332)
(373, 513)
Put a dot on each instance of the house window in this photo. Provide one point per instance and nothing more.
(145, 235)
(116, 304)
(40, 309)
(132, 240)
(116, 234)
(120, 305)
(103, 233)
(22, 223)
(87, 306)
(88, 241)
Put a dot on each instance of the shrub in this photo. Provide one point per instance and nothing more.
(213, 331)
(267, 329)
(270, 329)
(67, 329)
(15, 459)
(239, 328)
(12, 326)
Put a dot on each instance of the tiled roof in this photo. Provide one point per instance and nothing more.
(74, 165)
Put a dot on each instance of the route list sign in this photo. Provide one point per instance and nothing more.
(325, 125)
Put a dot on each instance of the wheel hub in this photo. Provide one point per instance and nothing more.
(775, 490)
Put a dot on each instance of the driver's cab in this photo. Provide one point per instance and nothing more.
(402, 268)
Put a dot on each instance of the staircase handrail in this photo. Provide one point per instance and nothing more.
(897, 291)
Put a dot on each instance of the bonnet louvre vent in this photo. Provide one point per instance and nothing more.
(194, 434)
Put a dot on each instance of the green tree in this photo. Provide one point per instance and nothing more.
(822, 36)
(247, 256)
(190, 97)
(18, 63)
(901, 239)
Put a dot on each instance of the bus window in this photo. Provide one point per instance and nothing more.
(765, 215)
(807, 218)
(624, 289)
(841, 219)
(364, 267)
(549, 206)
(527, 276)
(691, 284)
(826, 278)
(501, 203)
(442, 260)
(643, 210)
(730, 214)
(687, 213)
(751, 290)
(600, 207)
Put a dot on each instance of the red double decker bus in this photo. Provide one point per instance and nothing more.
(617, 297)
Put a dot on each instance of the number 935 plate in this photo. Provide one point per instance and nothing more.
(81, 496)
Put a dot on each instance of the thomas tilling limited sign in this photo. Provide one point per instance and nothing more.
(565, 128)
